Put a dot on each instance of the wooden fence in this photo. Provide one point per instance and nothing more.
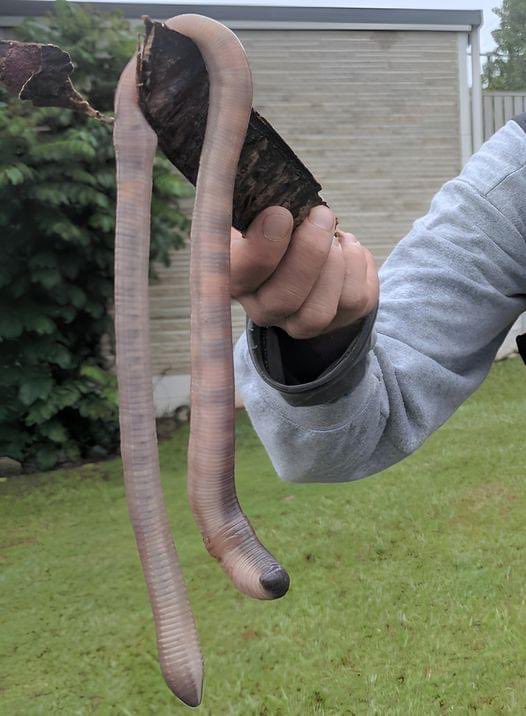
(499, 107)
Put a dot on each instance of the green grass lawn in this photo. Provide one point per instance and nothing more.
(408, 590)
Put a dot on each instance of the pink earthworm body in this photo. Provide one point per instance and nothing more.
(226, 531)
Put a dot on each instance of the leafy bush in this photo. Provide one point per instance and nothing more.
(57, 203)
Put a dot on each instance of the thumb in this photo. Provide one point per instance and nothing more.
(256, 255)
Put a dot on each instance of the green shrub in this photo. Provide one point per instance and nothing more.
(57, 204)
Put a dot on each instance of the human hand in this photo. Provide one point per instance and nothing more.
(307, 282)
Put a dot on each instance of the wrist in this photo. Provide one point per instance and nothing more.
(310, 357)
(312, 371)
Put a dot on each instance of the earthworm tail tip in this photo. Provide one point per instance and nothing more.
(189, 693)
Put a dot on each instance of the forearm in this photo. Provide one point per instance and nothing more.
(310, 444)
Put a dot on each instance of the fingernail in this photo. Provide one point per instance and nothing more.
(343, 236)
(276, 227)
(323, 217)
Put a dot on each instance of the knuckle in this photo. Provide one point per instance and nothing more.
(310, 323)
(361, 306)
(356, 304)
(372, 301)
(300, 333)
(318, 318)
(264, 315)
(367, 304)
(282, 303)
(254, 309)
(259, 317)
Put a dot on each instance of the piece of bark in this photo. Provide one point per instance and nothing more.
(41, 74)
(173, 94)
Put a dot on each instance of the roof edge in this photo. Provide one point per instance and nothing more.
(263, 13)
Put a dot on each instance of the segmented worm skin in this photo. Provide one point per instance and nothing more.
(226, 531)
(177, 640)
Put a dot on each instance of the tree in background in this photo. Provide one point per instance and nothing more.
(506, 68)
(57, 208)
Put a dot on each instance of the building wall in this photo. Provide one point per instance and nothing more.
(373, 114)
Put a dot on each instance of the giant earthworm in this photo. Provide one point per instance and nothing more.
(226, 532)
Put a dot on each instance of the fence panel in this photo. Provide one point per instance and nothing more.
(499, 107)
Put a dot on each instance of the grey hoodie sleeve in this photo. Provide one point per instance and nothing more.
(450, 291)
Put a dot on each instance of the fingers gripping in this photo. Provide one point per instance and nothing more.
(287, 288)
(319, 309)
(308, 283)
(360, 287)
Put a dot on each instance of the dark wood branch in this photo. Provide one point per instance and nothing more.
(173, 92)
(41, 74)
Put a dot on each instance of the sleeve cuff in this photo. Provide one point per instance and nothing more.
(336, 380)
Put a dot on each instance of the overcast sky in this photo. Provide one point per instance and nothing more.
(490, 20)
